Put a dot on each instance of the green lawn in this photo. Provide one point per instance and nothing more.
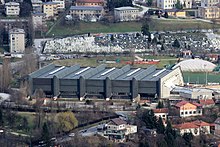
(155, 25)
(200, 77)
(165, 60)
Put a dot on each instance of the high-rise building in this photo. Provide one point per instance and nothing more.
(17, 40)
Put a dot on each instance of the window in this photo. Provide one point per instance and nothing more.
(181, 113)
(186, 112)
(190, 112)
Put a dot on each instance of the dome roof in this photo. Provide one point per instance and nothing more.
(196, 65)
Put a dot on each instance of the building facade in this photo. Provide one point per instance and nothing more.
(118, 130)
(211, 12)
(12, 9)
(37, 6)
(87, 13)
(61, 4)
(50, 9)
(196, 128)
(17, 40)
(38, 20)
(126, 14)
(103, 82)
(89, 3)
(171, 4)
(163, 113)
(187, 109)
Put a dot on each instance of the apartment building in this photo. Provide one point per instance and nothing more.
(196, 128)
(38, 20)
(2, 2)
(187, 109)
(89, 3)
(50, 9)
(126, 13)
(209, 9)
(12, 9)
(211, 12)
(87, 13)
(170, 4)
(37, 6)
(17, 40)
(61, 4)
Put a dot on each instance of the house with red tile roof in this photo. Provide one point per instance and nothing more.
(196, 128)
(163, 112)
(207, 103)
(187, 109)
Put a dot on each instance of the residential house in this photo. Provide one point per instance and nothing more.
(119, 130)
(61, 5)
(196, 128)
(37, 6)
(213, 57)
(17, 40)
(163, 113)
(207, 103)
(186, 109)
(217, 127)
(87, 13)
(187, 54)
(90, 3)
(126, 13)
(12, 9)
(50, 9)
(39, 20)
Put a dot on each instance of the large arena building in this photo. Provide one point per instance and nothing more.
(103, 82)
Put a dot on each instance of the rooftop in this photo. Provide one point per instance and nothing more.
(194, 124)
(86, 8)
(206, 102)
(101, 72)
(90, 1)
(182, 103)
(117, 121)
(16, 31)
(12, 3)
(162, 110)
(126, 8)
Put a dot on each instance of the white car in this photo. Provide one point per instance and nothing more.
(71, 134)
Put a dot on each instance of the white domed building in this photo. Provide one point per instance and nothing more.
(195, 65)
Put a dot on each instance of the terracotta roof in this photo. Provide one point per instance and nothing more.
(182, 103)
(118, 121)
(162, 110)
(194, 124)
(90, 1)
(186, 126)
(197, 104)
(207, 102)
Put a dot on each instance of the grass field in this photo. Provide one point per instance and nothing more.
(165, 60)
(155, 25)
(200, 78)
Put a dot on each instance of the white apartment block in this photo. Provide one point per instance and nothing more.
(2, 1)
(12, 9)
(170, 4)
(126, 14)
(61, 4)
(17, 40)
(208, 3)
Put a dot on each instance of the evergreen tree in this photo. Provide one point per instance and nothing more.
(154, 41)
(188, 138)
(162, 48)
(45, 135)
(176, 44)
(149, 37)
(149, 119)
(161, 143)
(178, 5)
(1, 117)
(160, 126)
(166, 15)
(169, 129)
(145, 29)
(160, 105)
(112, 38)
